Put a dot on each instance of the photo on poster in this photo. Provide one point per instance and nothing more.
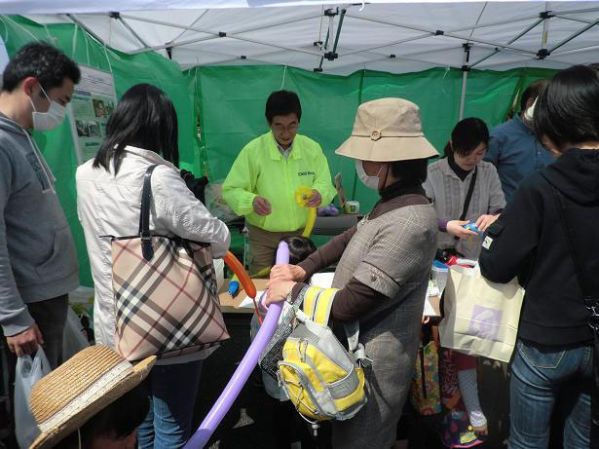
(93, 101)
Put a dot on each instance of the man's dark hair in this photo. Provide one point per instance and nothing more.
(411, 173)
(467, 135)
(595, 66)
(532, 92)
(43, 61)
(117, 421)
(144, 118)
(283, 102)
(299, 248)
(566, 111)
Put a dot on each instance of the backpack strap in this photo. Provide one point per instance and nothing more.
(317, 304)
(317, 307)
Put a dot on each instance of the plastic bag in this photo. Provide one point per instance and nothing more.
(74, 339)
(216, 204)
(28, 372)
(219, 270)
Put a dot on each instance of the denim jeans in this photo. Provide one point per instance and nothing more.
(172, 390)
(539, 375)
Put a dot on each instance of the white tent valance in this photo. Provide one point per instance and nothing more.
(339, 38)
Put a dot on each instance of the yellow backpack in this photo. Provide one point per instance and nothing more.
(322, 379)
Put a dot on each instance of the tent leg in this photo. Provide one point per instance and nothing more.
(465, 70)
(463, 98)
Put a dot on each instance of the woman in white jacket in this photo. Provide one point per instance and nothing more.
(141, 132)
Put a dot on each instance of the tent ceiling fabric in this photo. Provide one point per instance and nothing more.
(393, 37)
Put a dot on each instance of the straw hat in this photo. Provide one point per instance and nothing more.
(88, 382)
(387, 130)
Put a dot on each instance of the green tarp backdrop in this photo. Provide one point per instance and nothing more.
(229, 102)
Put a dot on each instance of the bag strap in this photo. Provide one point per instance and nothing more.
(317, 307)
(318, 303)
(144, 216)
(591, 302)
(469, 195)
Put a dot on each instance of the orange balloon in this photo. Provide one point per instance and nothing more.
(244, 278)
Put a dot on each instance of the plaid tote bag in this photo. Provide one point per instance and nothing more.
(165, 292)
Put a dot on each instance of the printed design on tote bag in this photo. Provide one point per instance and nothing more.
(485, 322)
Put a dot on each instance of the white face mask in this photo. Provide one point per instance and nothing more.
(372, 182)
(45, 121)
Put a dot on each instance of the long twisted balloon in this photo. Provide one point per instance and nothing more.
(242, 373)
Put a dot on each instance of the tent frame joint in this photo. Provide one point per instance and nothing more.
(546, 15)
(543, 53)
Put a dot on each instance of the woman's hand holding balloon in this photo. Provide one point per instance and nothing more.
(278, 291)
(287, 273)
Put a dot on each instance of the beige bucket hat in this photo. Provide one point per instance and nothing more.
(65, 399)
(387, 130)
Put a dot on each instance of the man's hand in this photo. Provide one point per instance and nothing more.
(315, 199)
(454, 227)
(261, 206)
(26, 342)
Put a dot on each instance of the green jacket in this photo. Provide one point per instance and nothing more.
(261, 170)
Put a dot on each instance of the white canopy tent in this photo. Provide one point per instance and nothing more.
(337, 37)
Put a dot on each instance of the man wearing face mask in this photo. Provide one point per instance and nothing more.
(38, 263)
(265, 177)
(514, 149)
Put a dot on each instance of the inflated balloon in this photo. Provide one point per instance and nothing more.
(310, 222)
(244, 278)
(234, 285)
(262, 273)
(243, 371)
(302, 196)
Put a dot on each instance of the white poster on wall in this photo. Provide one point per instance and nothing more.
(3, 58)
(93, 101)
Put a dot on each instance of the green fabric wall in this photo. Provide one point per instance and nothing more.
(229, 102)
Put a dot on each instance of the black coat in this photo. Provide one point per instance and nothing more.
(529, 241)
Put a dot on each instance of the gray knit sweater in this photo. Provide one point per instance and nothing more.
(448, 193)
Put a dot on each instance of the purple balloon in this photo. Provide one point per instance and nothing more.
(243, 371)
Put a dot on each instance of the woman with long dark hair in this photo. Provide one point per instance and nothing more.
(140, 133)
(547, 236)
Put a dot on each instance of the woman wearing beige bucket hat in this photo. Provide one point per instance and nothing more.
(383, 264)
(91, 401)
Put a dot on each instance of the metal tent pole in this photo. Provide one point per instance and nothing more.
(465, 70)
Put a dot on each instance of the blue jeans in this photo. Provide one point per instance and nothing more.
(172, 390)
(539, 375)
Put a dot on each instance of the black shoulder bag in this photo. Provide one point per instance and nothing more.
(444, 254)
(591, 302)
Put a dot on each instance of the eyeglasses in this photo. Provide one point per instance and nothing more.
(292, 127)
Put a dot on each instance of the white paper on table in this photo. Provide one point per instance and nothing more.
(247, 302)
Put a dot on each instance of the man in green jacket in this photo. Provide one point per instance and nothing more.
(267, 174)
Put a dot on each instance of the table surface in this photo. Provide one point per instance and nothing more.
(229, 304)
